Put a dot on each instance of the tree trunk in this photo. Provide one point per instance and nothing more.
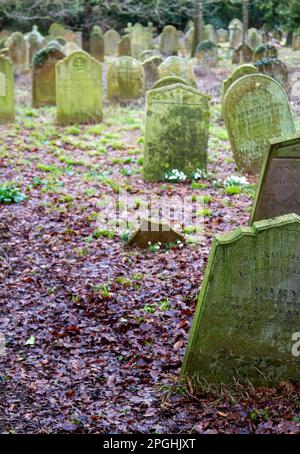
(198, 25)
(245, 26)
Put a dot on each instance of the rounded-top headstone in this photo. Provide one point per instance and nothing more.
(125, 79)
(179, 67)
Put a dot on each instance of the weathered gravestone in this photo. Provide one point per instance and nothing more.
(111, 39)
(79, 89)
(169, 80)
(141, 39)
(169, 42)
(254, 38)
(255, 109)
(278, 191)
(235, 33)
(222, 35)
(57, 30)
(188, 39)
(179, 67)
(176, 131)
(242, 54)
(125, 79)
(35, 42)
(265, 51)
(7, 101)
(150, 67)
(70, 47)
(249, 307)
(124, 46)
(43, 76)
(276, 69)
(241, 71)
(17, 52)
(207, 53)
(96, 44)
(210, 34)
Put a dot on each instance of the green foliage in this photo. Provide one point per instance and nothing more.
(9, 193)
(42, 55)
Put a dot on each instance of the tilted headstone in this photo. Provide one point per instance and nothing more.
(169, 80)
(96, 44)
(265, 51)
(249, 308)
(179, 67)
(242, 54)
(255, 109)
(17, 52)
(124, 46)
(150, 67)
(241, 71)
(276, 69)
(7, 98)
(235, 33)
(176, 131)
(111, 39)
(254, 38)
(43, 76)
(79, 89)
(125, 79)
(169, 42)
(278, 191)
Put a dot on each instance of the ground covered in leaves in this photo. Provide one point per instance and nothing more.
(96, 331)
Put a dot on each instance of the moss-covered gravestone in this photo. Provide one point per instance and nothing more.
(207, 53)
(241, 71)
(249, 307)
(254, 38)
(124, 46)
(43, 76)
(111, 39)
(7, 100)
(235, 33)
(35, 42)
(141, 39)
(57, 30)
(265, 51)
(150, 67)
(210, 34)
(278, 191)
(275, 68)
(125, 79)
(96, 44)
(255, 109)
(179, 67)
(79, 89)
(176, 131)
(17, 52)
(242, 54)
(169, 42)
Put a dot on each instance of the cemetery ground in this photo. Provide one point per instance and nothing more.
(96, 330)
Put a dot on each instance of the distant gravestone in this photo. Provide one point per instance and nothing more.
(70, 47)
(235, 33)
(255, 109)
(176, 131)
(43, 76)
(35, 42)
(17, 52)
(96, 45)
(79, 89)
(141, 39)
(150, 67)
(207, 53)
(222, 35)
(242, 54)
(7, 100)
(265, 51)
(276, 69)
(254, 38)
(209, 34)
(188, 39)
(125, 79)
(241, 71)
(124, 46)
(57, 30)
(169, 80)
(169, 42)
(278, 191)
(249, 308)
(179, 67)
(111, 39)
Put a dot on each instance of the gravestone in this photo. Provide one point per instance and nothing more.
(188, 39)
(276, 69)
(169, 80)
(176, 131)
(235, 33)
(57, 30)
(43, 76)
(255, 109)
(241, 71)
(96, 44)
(248, 308)
(296, 40)
(179, 67)
(141, 39)
(7, 100)
(69, 36)
(79, 89)
(254, 38)
(17, 52)
(277, 34)
(169, 42)
(149, 53)
(209, 34)
(242, 54)
(70, 47)
(35, 42)
(265, 51)
(278, 191)
(222, 35)
(111, 39)
(150, 67)
(207, 53)
(125, 79)
(124, 46)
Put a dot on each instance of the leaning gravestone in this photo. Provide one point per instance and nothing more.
(249, 307)
(255, 109)
(17, 52)
(7, 101)
(96, 44)
(124, 46)
(179, 67)
(43, 76)
(150, 67)
(278, 191)
(169, 42)
(79, 89)
(125, 79)
(176, 131)
(241, 71)
(111, 39)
